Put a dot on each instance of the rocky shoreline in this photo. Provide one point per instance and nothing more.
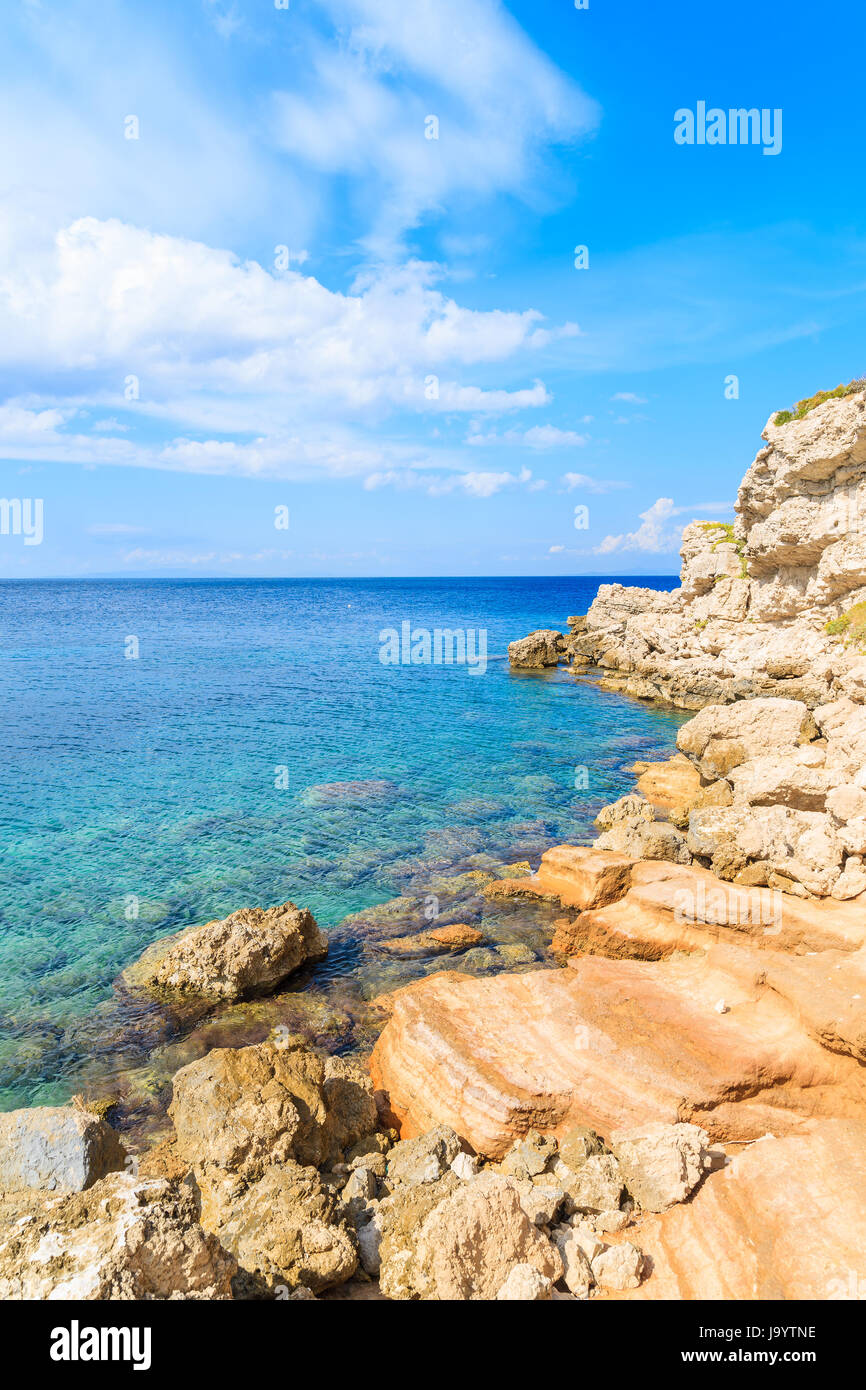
(674, 1108)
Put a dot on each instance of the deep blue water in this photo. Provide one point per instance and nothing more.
(155, 778)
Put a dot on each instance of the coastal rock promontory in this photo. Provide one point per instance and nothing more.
(767, 604)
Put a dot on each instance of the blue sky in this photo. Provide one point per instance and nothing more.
(420, 375)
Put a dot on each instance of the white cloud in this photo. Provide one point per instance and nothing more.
(655, 533)
(473, 484)
(222, 347)
(630, 397)
(537, 437)
(587, 484)
(360, 106)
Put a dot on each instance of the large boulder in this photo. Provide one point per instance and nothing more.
(248, 953)
(546, 647)
(124, 1238)
(609, 1043)
(242, 1109)
(63, 1148)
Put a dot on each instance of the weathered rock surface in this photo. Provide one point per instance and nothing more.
(247, 953)
(607, 1043)
(468, 1246)
(425, 1159)
(124, 1238)
(64, 1148)
(524, 1284)
(282, 1228)
(574, 875)
(791, 818)
(255, 1125)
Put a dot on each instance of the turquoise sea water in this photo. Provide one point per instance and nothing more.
(257, 750)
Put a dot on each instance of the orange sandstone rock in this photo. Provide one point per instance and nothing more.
(612, 1044)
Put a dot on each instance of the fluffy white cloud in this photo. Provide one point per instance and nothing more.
(655, 534)
(203, 341)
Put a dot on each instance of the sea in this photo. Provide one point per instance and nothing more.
(176, 750)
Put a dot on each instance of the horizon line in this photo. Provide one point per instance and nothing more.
(297, 578)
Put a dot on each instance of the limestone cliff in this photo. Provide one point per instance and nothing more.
(751, 613)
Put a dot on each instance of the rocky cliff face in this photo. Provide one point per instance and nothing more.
(751, 614)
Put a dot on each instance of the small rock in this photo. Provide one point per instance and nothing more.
(541, 1202)
(424, 1159)
(529, 1156)
(577, 1145)
(465, 1165)
(545, 647)
(376, 1163)
(661, 1163)
(597, 1186)
(525, 1284)
(619, 1267)
(609, 1221)
(362, 1183)
(587, 1238)
(369, 1237)
(577, 1271)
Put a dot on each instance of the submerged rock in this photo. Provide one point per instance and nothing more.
(440, 941)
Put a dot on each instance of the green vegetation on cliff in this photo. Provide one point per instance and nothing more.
(726, 537)
(851, 625)
(802, 408)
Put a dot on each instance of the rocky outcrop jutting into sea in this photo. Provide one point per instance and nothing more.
(756, 597)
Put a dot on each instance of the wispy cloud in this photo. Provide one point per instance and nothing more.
(585, 483)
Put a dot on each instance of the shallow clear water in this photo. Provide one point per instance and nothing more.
(150, 784)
